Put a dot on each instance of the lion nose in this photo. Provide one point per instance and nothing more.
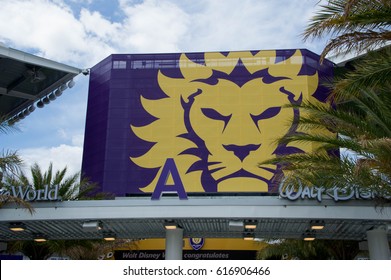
(241, 151)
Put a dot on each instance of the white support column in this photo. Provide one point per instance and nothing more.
(378, 244)
(174, 244)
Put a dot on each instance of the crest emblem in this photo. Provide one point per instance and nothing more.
(197, 243)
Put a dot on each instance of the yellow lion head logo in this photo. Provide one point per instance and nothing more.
(223, 117)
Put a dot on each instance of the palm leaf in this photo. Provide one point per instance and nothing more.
(354, 25)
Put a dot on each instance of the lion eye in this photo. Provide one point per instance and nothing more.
(267, 114)
(214, 115)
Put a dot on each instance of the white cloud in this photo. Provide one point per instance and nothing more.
(48, 27)
(53, 30)
(153, 26)
(97, 25)
(72, 136)
(78, 140)
(83, 1)
(61, 156)
(249, 24)
(62, 134)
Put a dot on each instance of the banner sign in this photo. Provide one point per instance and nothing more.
(319, 193)
(196, 122)
(187, 255)
(28, 193)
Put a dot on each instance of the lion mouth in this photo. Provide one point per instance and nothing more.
(244, 173)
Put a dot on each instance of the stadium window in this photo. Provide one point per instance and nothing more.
(142, 64)
(119, 64)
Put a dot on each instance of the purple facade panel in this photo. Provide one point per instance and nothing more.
(128, 94)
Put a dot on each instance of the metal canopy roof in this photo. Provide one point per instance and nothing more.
(25, 78)
(139, 218)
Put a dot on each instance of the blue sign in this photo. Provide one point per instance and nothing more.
(197, 243)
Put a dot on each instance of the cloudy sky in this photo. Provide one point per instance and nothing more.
(81, 33)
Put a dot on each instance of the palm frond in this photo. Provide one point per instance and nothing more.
(37, 176)
(59, 176)
(354, 25)
(48, 175)
(5, 126)
(356, 41)
(371, 73)
(10, 162)
(9, 199)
